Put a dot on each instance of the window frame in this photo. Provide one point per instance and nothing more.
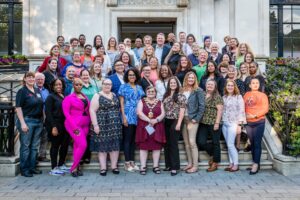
(11, 23)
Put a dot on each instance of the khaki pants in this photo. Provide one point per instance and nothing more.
(189, 136)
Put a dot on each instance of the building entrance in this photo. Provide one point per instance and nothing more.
(132, 28)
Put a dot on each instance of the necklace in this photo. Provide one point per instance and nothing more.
(150, 105)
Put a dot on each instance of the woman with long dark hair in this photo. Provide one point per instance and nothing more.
(212, 73)
(129, 94)
(51, 72)
(174, 104)
(161, 84)
(210, 124)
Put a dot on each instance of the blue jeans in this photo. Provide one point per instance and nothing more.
(29, 142)
(255, 132)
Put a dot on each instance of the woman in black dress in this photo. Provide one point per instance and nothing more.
(107, 128)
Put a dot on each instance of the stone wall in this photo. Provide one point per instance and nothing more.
(44, 20)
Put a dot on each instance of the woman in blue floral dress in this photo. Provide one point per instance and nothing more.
(130, 93)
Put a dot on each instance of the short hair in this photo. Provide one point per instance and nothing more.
(191, 35)
(73, 39)
(161, 34)
(147, 36)
(136, 73)
(87, 45)
(49, 61)
(39, 74)
(81, 72)
(214, 43)
(52, 84)
(81, 35)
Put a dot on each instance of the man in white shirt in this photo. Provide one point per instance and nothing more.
(127, 42)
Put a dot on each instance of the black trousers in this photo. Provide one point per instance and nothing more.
(213, 148)
(129, 142)
(59, 145)
(171, 147)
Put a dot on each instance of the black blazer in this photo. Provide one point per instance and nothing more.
(218, 60)
(166, 49)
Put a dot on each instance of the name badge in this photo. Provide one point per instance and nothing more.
(38, 95)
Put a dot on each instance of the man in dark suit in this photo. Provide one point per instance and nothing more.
(161, 49)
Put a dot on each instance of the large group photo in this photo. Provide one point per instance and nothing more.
(137, 95)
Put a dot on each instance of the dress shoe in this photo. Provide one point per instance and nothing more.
(248, 148)
(79, 172)
(253, 173)
(74, 174)
(36, 171)
(27, 174)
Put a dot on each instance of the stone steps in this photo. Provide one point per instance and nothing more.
(245, 159)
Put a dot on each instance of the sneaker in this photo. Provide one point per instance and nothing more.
(56, 172)
(64, 168)
(128, 167)
(134, 166)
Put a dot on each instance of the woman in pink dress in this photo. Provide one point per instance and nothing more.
(150, 132)
(77, 123)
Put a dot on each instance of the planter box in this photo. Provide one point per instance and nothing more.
(14, 68)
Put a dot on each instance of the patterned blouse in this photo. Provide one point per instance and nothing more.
(210, 113)
(172, 108)
(234, 109)
(131, 98)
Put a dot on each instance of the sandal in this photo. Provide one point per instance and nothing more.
(192, 170)
(115, 171)
(143, 171)
(156, 170)
(187, 168)
(103, 172)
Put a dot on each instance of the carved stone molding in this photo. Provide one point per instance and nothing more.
(143, 3)
(112, 3)
(182, 3)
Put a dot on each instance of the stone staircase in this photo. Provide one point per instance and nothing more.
(245, 159)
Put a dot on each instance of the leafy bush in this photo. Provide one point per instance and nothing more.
(283, 83)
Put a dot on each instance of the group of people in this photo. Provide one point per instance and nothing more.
(123, 98)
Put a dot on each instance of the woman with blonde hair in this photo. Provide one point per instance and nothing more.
(195, 105)
(96, 75)
(173, 56)
(242, 50)
(243, 71)
(193, 57)
(147, 54)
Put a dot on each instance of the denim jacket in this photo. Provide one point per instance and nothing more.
(196, 105)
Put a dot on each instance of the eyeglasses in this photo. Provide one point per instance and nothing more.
(119, 65)
(107, 84)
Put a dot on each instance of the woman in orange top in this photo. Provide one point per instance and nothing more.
(256, 107)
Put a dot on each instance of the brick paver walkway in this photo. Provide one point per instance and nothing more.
(267, 184)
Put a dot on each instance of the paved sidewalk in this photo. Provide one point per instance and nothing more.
(267, 184)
